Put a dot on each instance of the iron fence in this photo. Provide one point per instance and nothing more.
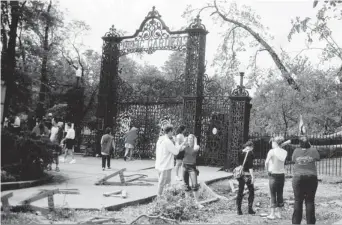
(328, 146)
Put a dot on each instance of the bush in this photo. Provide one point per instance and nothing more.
(6, 177)
(25, 157)
(175, 203)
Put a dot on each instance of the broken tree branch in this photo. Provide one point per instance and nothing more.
(154, 217)
(285, 73)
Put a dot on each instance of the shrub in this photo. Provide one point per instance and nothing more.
(25, 156)
(6, 177)
(175, 203)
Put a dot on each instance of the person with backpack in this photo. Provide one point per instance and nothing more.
(245, 176)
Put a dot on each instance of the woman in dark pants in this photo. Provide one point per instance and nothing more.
(304, 181)
(275, 165)
(247, 178)
(189, 166)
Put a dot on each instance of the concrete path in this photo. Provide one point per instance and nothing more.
(87, 171)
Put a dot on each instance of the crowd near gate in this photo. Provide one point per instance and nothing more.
(220, 122)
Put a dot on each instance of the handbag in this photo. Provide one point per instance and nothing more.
(238, 171)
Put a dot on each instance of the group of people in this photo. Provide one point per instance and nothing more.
(52, 129)
(184, 149)
(304, 181)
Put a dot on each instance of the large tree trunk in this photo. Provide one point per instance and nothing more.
(40, 111)
(285, 73)
(8, 61)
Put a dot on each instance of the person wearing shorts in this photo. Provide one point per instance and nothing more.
(130, 138)
(69, 142)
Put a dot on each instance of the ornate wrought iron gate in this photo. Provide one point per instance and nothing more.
(198, 110)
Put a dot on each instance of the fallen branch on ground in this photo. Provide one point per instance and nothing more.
(100, 220)
(154, 217)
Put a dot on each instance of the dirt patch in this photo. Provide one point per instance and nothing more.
(328, 208)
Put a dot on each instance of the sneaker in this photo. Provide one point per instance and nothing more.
(278, 215)
(109, 168)
(270, 217)
(72, 161)
(103, 169)
(125, 158)
(177, 178)
(57, 169)
(61, 160)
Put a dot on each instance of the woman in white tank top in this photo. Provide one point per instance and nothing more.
(275, 165)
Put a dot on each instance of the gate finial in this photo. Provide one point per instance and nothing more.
(240, 90)
(197, 23)
(112, 32)
(154, 13)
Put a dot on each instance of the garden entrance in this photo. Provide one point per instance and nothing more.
(119, 105)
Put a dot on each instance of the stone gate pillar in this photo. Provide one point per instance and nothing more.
(239, 115)
(194, 75)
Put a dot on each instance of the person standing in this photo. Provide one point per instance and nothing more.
(130, 138)
(247, 177)
(275, 165)
(304, 181)
(107, 147)
(55, 139)
(165, 152)
(179, 158)
(40, 130)
(69, 142)
(189, 166)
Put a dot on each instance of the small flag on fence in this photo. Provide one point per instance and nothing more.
(302, 129)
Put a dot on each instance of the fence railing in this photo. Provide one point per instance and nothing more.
(329, 148)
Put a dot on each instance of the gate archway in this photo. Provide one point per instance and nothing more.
(197, 108)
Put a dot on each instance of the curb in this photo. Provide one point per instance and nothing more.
(24, 184)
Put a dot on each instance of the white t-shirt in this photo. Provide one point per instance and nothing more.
(276, 160)
(54, 132)
(70, 134)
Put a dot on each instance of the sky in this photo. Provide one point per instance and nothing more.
(127, 15)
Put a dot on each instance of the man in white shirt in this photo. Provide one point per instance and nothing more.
(165, 152)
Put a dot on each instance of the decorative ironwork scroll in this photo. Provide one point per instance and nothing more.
(153, 35)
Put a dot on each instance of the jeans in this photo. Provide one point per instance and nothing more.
(304, 188)
(104, 159)
(163, 180)
(190, 171)
(245, 179)
(276, 182)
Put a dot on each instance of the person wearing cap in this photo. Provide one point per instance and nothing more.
(247, 177)
(275, 165)
(165, 152)
(304, 181)
(130, 138)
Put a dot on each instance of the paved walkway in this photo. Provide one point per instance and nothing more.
(87, 171)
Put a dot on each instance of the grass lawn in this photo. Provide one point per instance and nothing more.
(328, 207)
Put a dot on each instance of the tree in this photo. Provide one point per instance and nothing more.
(276, 107)
(319, 27)
(174, 67)
(10, 15)
(241, 23)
